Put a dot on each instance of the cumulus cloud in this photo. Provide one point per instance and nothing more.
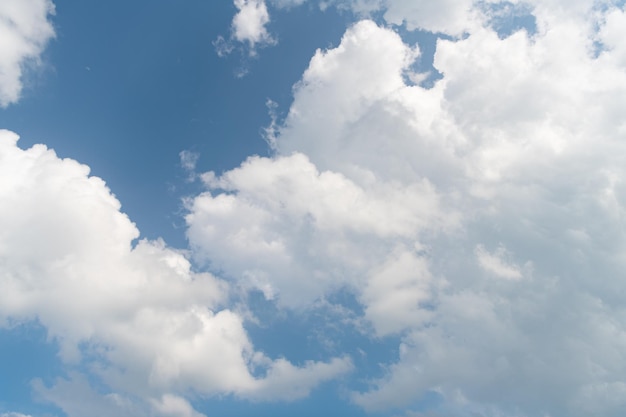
(250, 23)
(479, 219)
(298, 232)
(147, 325)
(249, 26)
(25, 29)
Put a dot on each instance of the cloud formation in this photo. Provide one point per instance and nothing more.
(248, 27)
(479, 219)
(250, 21)
(143, 321)
(24, 32)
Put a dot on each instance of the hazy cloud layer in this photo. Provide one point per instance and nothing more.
(24, 32)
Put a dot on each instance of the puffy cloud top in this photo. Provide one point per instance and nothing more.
(249, 24)
(148, 324)
(479, 219)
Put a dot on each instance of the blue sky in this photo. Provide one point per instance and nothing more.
(396, 208)
(155, 83)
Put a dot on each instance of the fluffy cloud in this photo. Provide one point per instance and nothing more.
(249, 24)
(24, 32)
(480, 219)
(298, 232)
(147, 325)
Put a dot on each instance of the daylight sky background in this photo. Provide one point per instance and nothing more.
(402, 208)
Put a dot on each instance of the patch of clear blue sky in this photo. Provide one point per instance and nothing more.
(128, 85)
(26, 354)
(508, 18)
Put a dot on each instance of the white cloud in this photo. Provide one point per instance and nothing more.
(611, 35)
(144, 322)
(387, 189)
(362, 105)
(395, 291)
(24, 32)
(249, 24)
(76, 398)
(174, 406)
(352, 211)
(448, 17)
(299, 232)
(452, 17)
(296, 382)
(401, 194)
(497, 264)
